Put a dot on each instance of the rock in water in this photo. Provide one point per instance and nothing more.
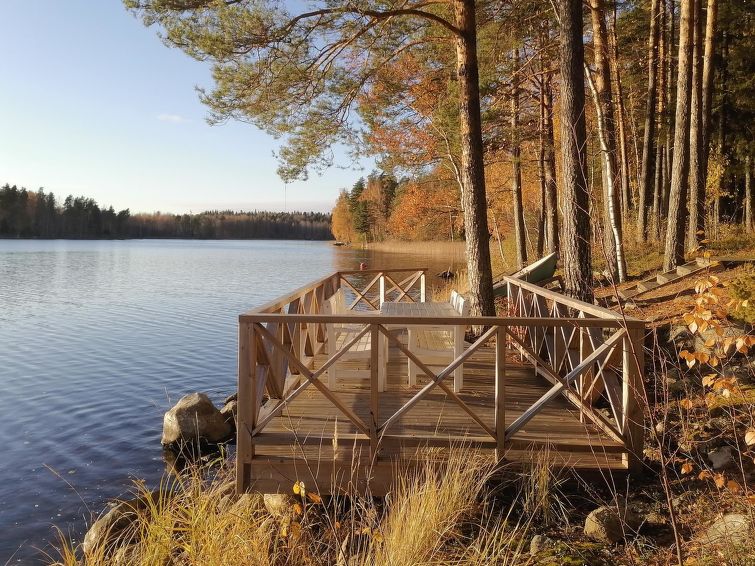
(117, 527)
(606, 525)
(194, 419)
(229, 413)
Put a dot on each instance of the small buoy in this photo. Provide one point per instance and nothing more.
(362, 266)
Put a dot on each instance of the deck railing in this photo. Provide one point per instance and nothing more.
(585, 352)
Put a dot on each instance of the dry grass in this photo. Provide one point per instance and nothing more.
(435, 515)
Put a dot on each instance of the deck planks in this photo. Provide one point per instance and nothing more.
(313, 442)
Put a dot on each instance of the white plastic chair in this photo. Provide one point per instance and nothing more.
(340, 334)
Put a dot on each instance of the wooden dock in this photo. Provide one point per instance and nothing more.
(565, 383)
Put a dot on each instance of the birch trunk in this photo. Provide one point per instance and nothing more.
(603, 98)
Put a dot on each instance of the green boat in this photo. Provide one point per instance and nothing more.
(542, 269)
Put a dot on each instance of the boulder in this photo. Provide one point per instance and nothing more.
(194, 419)
(721, 457)
(610, 524)
(229, 413)
(117, 527)
(731, 529)
(685, 340)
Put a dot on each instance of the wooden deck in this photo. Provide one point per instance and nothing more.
(329, 451)
(554, 373)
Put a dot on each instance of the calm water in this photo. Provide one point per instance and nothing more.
(97, 338)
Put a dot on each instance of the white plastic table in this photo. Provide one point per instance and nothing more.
(445, 310)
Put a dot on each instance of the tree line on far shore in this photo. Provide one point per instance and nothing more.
(38, 214)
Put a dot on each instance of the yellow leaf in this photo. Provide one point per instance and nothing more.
(298, 509)
(377, 537)
(709, 380)
(314, 498)
(703, 357)
(687, 467)
(299, 488)
(750, 437)
(713, 361)
(734, 487)
(693, 327)
(686, 404)
(710, 342)
(704, 475)
(720, 480)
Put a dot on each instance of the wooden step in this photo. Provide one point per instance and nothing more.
(702, 261)
(663, 278)
(686, 269)
(647, 285)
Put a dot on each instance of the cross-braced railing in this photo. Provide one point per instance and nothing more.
(589, 355)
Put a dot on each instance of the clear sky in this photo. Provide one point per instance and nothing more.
(92, 103)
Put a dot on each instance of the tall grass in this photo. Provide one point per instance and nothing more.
(435, 515)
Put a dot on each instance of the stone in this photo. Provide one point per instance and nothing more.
(117, 525)
(279, 505)
(685, 340)
(731, 529)
(229, 413)
(540, 543)
(721, 458)
(606, 524)
(195, 419)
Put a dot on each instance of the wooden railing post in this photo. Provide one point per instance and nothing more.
(422, 288)
(247, 405)
(374, 389)
(500, 395)
(633, 370)
(382, 289)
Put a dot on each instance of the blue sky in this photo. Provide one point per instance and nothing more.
(92, 103)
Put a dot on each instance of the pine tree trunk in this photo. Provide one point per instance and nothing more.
(677, 216)
(626, 190)
(607, 134)
(708, 72)
(472, 165)
(655, 222)
(575, 228)
(696, 205)
(648, 149)
(541, 217)
(670, 105)
(551, 192)
(748, 194)
(516, 186)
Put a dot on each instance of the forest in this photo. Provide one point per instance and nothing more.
(577, 127)
(30, 214)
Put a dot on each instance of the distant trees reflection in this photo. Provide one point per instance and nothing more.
(29, 214)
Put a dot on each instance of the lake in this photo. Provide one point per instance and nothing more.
(99, 338)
